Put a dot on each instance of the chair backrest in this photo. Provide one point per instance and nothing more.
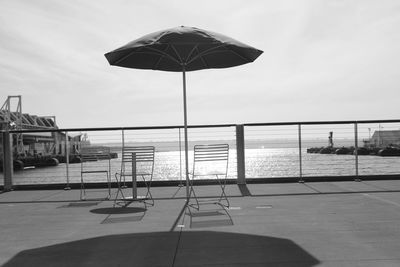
(205, 154)
(144, 156)
(215, 152)
(95, 153)
(89, 155)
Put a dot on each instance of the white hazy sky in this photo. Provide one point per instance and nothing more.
(322, 60)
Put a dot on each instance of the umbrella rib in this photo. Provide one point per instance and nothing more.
(123, 58)
(211, 50)
(191, 51)
(203, 60)
(239, 55)
(159, 60)
(156, 52)
(205, 52)
(195, 48)
(177, 54)
(160, 52)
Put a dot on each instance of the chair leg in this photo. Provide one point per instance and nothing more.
(119, 190)
(197, 207)
(223, 194)
(109, 186)
(124, 185)
(83, 191)
(148, 193)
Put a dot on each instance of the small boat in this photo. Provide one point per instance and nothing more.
(389, 152)
(362, 151)
(327, 150)
(343, 151)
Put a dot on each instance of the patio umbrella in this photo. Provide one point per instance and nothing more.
(183, 49)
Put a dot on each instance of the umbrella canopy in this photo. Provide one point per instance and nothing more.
(183, 49)
(171, 49)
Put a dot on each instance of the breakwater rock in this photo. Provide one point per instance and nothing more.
(389, 151)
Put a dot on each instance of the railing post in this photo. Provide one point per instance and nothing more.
(300, 158)
(67, 187)
(134, 178)
(240, 156)
(7, 161)
(356, 150)
(180, 159)
(122, 156)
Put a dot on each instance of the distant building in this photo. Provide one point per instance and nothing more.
(34, 143)
(385, 138)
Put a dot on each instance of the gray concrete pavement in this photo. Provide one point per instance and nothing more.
(311, 224)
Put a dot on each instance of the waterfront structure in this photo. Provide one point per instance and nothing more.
(29, 144)
(384, 138)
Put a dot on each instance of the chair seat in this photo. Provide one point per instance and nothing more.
(209, 173)
(137, 198)
(130, 174)
(96, 171)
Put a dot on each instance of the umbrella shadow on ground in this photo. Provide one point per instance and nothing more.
(121, 214)
(181, 248)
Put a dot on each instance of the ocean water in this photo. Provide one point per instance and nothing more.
(260, 163)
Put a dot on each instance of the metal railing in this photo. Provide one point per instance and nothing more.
(258, 151)
(299, 137)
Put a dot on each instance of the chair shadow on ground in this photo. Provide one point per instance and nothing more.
(119, 210)
(112, 213)
(80, 204)
(212, 216)
(180, 248)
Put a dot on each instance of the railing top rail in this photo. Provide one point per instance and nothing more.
(321, 122)
(202, 126)
(119, 128)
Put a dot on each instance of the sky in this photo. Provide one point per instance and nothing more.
(322, 61)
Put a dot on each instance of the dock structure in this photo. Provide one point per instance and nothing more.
(29, 148)
(384, 138)
(12, 118)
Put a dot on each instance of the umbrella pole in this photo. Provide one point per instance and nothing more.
(186, 135)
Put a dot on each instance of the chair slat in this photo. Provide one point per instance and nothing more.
(143, 154)
(217, 152)
(203, 154)
(93, 154)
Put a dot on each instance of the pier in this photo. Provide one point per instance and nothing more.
(311, 224)
(302, 211)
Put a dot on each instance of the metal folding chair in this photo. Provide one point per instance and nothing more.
(136, 161)
(212, 161)
(95, 161)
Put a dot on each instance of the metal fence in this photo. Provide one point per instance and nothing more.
(328, 150)
(298, 151)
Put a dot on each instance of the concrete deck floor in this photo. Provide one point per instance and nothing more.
(311, 224)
